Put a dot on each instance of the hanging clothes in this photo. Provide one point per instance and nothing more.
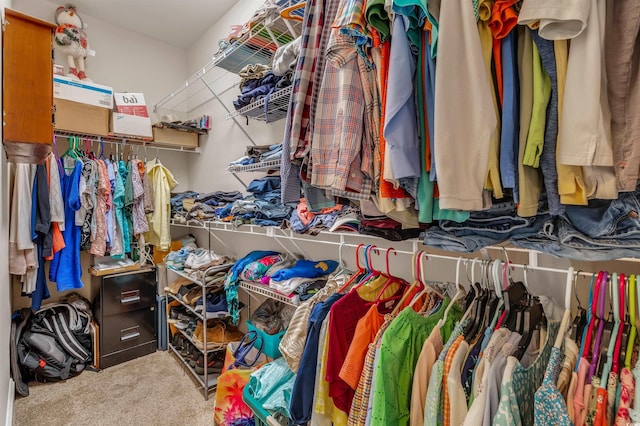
(163, 183)
(65, 269)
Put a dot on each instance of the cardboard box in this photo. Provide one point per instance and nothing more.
(81, 118)
(131, 125)
(131, 117)
(82, 92)
(177, 138)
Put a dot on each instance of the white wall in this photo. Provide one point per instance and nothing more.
(225, 142)
(6, 384)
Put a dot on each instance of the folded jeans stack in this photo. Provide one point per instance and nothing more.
(603, 230)
(482, 229)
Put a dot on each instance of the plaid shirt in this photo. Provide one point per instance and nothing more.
(358, 412)
(447, 368)
(309, 71)
(342, 150)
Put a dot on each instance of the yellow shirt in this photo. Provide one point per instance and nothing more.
(162, 182)
(571, 185)
(325, 411)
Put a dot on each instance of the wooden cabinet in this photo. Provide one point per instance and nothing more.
(27, 87)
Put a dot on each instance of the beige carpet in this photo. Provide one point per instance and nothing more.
(152, 390)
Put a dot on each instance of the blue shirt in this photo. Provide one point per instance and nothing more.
(304, 386)
(401, 126)
(510, 112)
(65, 267)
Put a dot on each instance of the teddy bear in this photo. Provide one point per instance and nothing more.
(71, 40)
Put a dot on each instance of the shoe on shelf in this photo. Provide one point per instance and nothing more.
(216, 305)
(219, 334)
(188, 263)
(174, 287)
(176, 341)
(178, 314)
(215, 362)
(176, 259)
(193, 356)
(193, 295)
(181, 324)
(186, 349)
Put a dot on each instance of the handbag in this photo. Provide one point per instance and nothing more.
(241, 359)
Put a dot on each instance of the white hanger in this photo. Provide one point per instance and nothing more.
(459, 294)
(566, 318)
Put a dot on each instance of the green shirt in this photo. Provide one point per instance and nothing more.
(399, 352)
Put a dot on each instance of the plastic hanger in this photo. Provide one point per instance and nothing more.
(415, 283)
(593, 302)
(372, 271)
(71, 152)
(392, 280)
(596, 349)
(286, 12)
(633, 293)
(619, 318)
(607, 353)
(473, 310)
(481, 314)
(102, 157)
(459, 295)
(357, 274)
(566, 318)
(533, 317)
(426, 287)
(590, 317)
(580, 320)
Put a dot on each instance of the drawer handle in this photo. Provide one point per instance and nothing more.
(129, 334)
(128, 297)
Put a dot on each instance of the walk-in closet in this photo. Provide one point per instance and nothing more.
(320, 212)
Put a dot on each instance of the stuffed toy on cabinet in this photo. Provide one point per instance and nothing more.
(72, 41)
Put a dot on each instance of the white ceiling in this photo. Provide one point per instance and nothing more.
(176, 22)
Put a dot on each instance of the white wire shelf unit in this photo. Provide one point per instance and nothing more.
(264, 290)
(255, 46)
(120, 141)
(263, 166)
(207, 384)
(270, 108)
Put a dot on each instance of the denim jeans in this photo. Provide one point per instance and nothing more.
(604, 230)
(607, 219)
(548, 242)
(266, 184)
(482, 229)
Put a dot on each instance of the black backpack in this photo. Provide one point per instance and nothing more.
(52, 344)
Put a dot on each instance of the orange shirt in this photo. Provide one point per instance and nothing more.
(366, 331)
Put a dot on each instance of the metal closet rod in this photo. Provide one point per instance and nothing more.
(282, 234)
(124, 141)
(429, 256)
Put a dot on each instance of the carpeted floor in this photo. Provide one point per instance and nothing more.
(152, 390)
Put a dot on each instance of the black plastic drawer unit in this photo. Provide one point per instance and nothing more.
(125, 312)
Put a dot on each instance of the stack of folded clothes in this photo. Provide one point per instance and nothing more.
(304, 273)
(258, 82)
(199, 263)
(305, 221)
(258, 154)
(177, 199)
(262, 206)
(200, 207)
